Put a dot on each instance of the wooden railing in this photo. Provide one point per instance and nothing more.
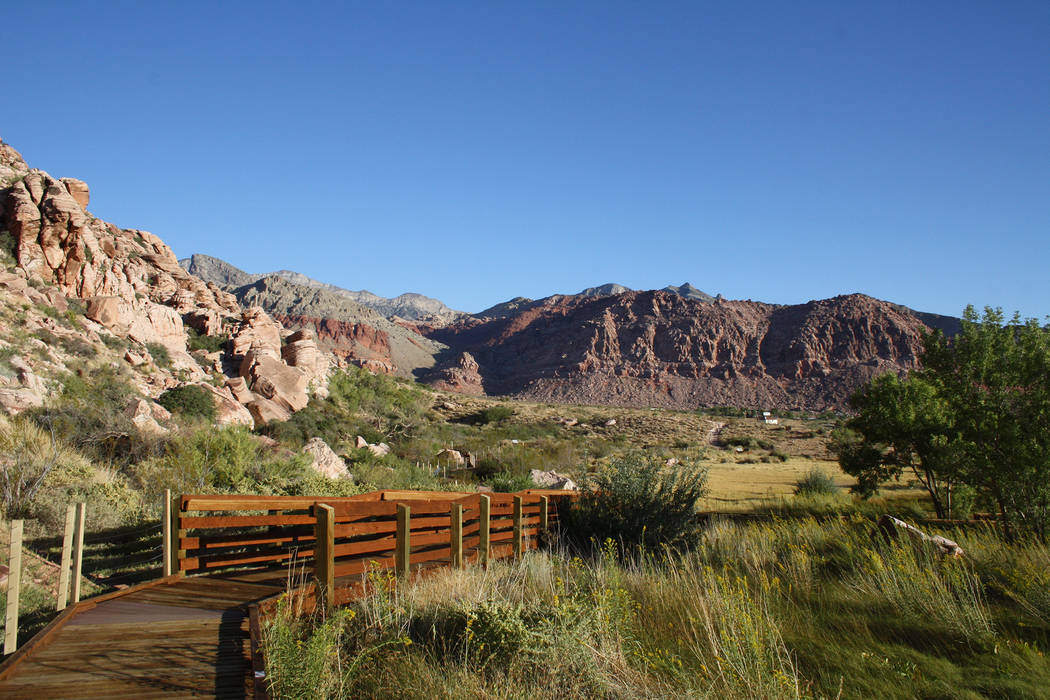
(336, 538)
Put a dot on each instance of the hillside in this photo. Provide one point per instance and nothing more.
(349, 330)
(409, 306)
(660, 349)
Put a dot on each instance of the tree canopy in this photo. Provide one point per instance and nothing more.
(976, 416)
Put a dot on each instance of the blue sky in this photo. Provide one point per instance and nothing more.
(477, 151)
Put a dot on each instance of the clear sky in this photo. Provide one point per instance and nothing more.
(477, 151)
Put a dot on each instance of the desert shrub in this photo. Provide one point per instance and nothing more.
(190, 401)
(89, 415)
(816, 482)
(494, 414)
(8, 245)
(636, 502)
(160, 354)
(41, 475)
(199, 341)
(778, 455)
(228, 459)
(113, 342)
(507, 482)
(747, 442)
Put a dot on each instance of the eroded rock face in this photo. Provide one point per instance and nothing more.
(660, 349)
(134, 288)
(463, 377)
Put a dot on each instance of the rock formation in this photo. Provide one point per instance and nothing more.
(132, 287)
(325, 461)
(660, 349)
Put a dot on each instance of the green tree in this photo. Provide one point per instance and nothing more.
(977, 413)
(902, 426)
(996, 376)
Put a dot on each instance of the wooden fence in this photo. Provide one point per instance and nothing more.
(262, 537)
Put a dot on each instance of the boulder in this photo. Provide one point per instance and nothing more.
(450, 456)
(134, 359)
(380, 450)
(14, 401)
(264, 411)
(142, 416)
(552, 480)
(29, 393)
(360, 442)
(325, 461)
(228, 410)
(277, 381)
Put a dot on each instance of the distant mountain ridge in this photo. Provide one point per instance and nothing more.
(409, 306)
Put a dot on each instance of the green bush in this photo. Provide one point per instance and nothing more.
(507, 482)
(208, 343)
(190, 401)
(637, 503)
(228, 459)
(494, 414)
(747, 442)
(159, 353)
(90, 416)
(816, 482)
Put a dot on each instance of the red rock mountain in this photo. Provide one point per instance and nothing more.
(660, 349)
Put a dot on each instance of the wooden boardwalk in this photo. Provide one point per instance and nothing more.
(196, 633)
(171, 638)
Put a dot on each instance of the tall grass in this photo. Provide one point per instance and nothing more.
(789, 608)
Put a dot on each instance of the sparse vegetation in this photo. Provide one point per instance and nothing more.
(160, 354)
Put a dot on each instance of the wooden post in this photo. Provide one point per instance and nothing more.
(485, 504)
(177, 534)
(457, 535)
(324, 555)
(78, 550)
(14, 585)
(403, 548)
(67, 557)
(517, 528)
(165, 529)
(545, 515)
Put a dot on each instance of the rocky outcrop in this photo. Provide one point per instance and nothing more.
(552, 480)
(133, 287)
(343, 327)
(228, 410)
(660, 349)
(324, 460)
(147, 416)
(462, 376)
(25, 392)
